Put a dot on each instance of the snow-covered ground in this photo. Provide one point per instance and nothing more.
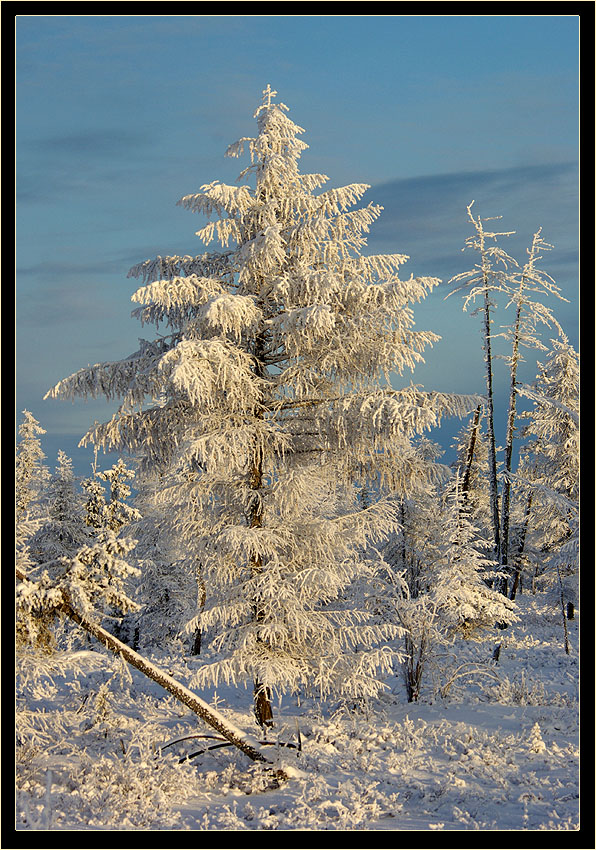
(489, 746)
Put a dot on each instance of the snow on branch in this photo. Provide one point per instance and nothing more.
(548, 494)
(224, 229)
(155, 431)
(381, 266)
(215, 264)
(179, 292)
(211, 373)
(267, 249)
(387, 413)
(219, 198)
(112, 380)
(334, 201)
(230, 441)
(533, 395)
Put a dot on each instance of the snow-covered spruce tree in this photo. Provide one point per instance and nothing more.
(109, 516)
(549, 466)
(71, 558)
(113, 512)
(63, 532)
(170, 591)
(31, 478)
(93, 581)
(31, 475)
(488, 277)
(444, 560)
(465, 605)
(529, 283)
(268, 398)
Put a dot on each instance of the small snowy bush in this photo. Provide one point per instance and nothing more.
(520, 690)
(136, 791)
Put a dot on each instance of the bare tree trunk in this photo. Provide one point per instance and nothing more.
(262, 705)
(562, 601)
(246, 743)
(262, 694)
(501, 583)
(520, 550)
(506, 495)
(470, 456)
(197, 639)
(492, 448)
(195, 648)
(414, 666)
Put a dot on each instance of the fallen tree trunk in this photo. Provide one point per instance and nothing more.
(246, 743)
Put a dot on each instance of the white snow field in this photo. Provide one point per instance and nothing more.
(489, 746)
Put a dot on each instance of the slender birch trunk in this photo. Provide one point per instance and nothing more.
(510, 428)
(492, 448)
(531, 279)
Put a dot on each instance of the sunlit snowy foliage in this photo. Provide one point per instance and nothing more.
(266, 399)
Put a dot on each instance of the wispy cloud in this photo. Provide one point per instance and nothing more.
(61, 270)
(426, 217)
(89, 143)
(52, 166)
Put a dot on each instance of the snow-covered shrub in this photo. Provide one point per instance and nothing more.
(418, 618)
(522, 690)
(133, 791)
(536, 743)
(466, 606)
(549, 470)
(453, 677)
(446, 574)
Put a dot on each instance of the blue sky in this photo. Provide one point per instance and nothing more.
(117, 117)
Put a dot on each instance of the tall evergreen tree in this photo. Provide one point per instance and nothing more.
(267, 399)
(31, 480)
